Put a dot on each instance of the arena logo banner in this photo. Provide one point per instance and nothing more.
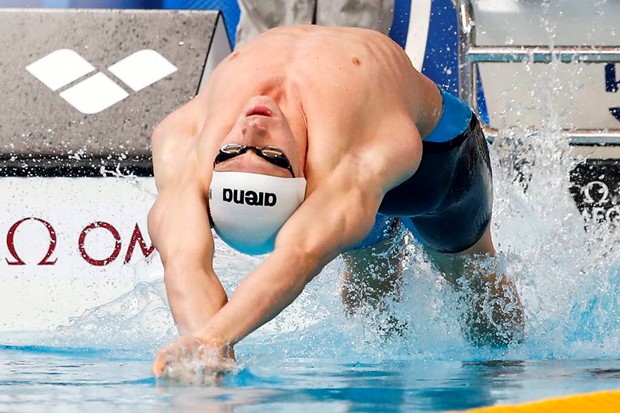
(96, 93)
(86, 89)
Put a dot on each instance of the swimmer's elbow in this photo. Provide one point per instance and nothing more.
(181, 122)
(316, 248)
(157, 218)
(303, 261)
(160, 134)
(158, 139)
(154, 220)
(164, 134)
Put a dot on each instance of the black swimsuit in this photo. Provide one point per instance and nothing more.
(447, 203)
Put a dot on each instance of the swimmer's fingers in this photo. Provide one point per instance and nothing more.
(158, 366)
(174, 353)
(217, 360)
(190, 360)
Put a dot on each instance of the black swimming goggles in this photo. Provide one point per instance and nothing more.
(271, 154)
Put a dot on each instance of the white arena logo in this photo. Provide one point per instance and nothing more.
(98, 92)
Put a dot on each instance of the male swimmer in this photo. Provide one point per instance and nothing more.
(306, 143)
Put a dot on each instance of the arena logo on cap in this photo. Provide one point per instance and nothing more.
(98, 92)
(249, 197)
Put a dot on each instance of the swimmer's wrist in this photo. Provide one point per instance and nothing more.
(212, 340)
(218, 345)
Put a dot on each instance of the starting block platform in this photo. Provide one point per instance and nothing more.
(85, 90)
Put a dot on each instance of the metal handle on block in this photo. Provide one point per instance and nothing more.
(470, 55)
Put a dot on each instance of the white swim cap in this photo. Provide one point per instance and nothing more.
(248, 209)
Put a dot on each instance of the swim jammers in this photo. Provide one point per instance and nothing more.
(447, 203)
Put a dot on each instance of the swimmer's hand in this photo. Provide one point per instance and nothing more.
(194, 361)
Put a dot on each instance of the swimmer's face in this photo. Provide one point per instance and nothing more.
(262, 123)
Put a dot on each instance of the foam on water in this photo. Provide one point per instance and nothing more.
(567, 272)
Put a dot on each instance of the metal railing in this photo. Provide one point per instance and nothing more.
(471, 54)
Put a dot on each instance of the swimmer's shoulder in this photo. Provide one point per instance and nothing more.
(283, 35)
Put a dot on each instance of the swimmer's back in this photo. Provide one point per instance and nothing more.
(305, 54)
(315, 46)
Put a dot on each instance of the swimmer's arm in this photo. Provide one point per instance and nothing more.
(332, 219)
(178, 222)
(179, 228)
(174, 141)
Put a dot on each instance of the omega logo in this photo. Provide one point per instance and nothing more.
(598, 197)
(49, 259)
(597, 187)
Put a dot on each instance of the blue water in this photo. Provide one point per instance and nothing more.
(37, 378)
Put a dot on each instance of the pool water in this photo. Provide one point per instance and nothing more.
(66, 380)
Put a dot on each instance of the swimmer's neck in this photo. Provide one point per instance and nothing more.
(287, 95)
